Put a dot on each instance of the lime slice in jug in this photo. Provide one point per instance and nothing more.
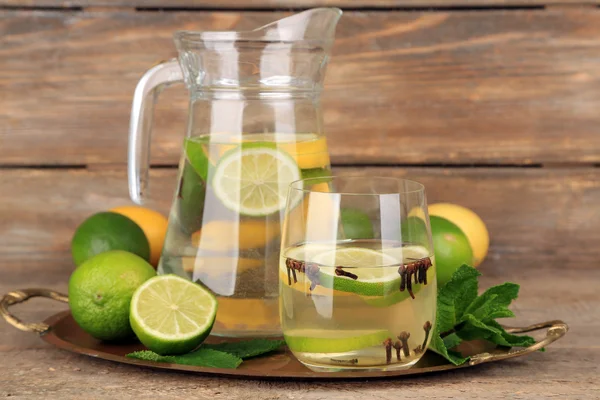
(171, 315)
(334, 341)
(377, 271)
(253, 179)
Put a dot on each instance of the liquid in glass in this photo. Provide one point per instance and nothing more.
(348, 306)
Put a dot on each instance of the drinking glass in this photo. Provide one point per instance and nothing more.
(357, 277)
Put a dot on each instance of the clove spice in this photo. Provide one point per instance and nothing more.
(426, 328)
(388, 350)
(404, 339)
(310, 269)
(340, 272)
(418, 270)
(398, 347)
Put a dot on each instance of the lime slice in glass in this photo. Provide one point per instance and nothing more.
(334, 341)
(171, 315)
(253, 179)
(408, 254)
(377, 271)
(303, 284)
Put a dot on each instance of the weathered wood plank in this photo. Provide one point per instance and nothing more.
(403, 87)
(286, 4)
(51, 373)
(538, 218)
(568, 369)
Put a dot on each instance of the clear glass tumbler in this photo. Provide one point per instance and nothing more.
(357, 278)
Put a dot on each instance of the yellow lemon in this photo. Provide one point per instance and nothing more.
(469, 223)
(416, 212)
(308, 149)
(153, 223)
(223, 236)
(311, 153)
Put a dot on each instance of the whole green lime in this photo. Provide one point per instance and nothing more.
(107, 231)
(451, 246)
(356, 224)
(414, 231)
(100, 292)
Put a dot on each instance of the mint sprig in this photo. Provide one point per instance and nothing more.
(462, 315)
(222, 355)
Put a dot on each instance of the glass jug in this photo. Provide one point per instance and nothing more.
(254, 126)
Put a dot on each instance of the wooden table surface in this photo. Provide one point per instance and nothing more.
(568, 369)
(492, 104)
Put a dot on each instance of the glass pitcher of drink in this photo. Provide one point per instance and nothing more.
(254, 126)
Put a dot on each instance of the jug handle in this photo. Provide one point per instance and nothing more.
(140, 126)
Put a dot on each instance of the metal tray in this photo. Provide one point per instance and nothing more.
(61, 331)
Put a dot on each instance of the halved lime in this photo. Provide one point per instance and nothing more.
(377, 271)
(253, 179)
(171, 315)
(333, 341)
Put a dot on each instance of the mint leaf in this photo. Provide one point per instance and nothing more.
(196, 154)
(455, 297)
(483, 308)
(247, 348)
(148, 355)
(495, 299)
(319, 175)
(492, 332)
(437, 345)
(204, 357)
(512, 340)
(200, 358)
(452, 340)
(476, 329)
(222, 355)
(500, 312)
(489, 308)
(462, 315)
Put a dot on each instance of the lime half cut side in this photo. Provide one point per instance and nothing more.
(171, 315)
(253, 179)
(376, 271)
(335, 341)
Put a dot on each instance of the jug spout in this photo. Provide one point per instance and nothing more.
(288, 54)
(317, 24)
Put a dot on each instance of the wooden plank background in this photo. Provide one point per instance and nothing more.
(540, 218)
(487, 87)
(295, 4)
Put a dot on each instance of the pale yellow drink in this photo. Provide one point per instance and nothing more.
(367, 319)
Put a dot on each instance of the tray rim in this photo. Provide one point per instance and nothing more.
(50, 337)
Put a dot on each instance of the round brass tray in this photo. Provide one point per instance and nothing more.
(61, 331)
